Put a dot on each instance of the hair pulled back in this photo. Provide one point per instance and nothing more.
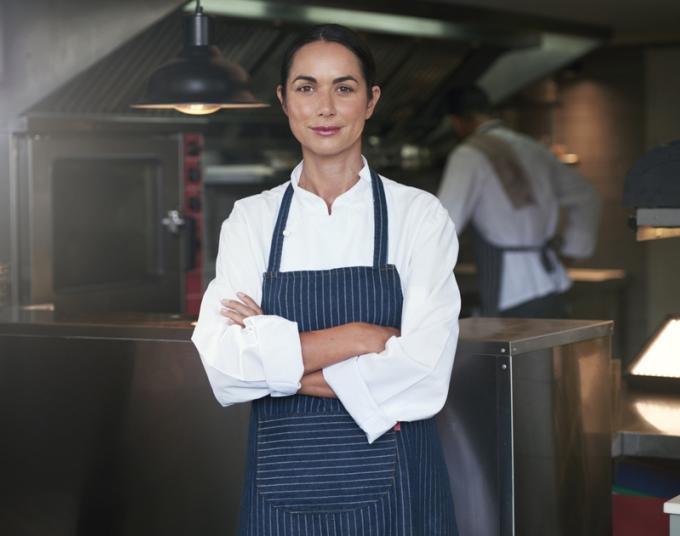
(331, 33)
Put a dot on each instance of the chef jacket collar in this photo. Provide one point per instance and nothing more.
(356, 192)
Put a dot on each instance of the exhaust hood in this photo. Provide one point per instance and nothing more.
(421, 48)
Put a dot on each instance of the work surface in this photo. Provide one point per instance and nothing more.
(516, 331)
(114, 414)
(647, 423)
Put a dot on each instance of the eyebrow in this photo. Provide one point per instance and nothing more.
(335, 81)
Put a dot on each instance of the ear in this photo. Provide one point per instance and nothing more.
(375, 97)
(282, 99)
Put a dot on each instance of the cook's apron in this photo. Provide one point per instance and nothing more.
(489, 261)
(310, 470)
(515, 183)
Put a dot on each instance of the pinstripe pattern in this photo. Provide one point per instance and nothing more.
(310, 470)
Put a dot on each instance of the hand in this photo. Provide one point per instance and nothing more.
(375, 337)
(314, 384)
(237, 311)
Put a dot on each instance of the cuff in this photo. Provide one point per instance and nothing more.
(577, 245)
(345, 379)
(280, 351)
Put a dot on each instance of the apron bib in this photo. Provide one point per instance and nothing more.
(310, 470)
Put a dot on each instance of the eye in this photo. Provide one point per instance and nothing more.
(345, 89)
(305, 88)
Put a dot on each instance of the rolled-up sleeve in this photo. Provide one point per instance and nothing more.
(265, 356)
(409, 380)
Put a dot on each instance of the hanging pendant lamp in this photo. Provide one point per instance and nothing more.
(200, 81)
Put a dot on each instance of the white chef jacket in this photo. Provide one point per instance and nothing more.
(470, 189)
(407, 381)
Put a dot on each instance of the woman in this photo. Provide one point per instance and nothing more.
(349, 355)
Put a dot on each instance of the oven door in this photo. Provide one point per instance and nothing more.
(102, 229)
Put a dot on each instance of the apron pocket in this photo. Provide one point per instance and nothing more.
(322, 463)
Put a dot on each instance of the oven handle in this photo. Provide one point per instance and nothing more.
(174, 221)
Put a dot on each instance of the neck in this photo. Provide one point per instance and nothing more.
(481, 119)
(329, 176)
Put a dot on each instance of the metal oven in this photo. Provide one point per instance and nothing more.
(100, 224)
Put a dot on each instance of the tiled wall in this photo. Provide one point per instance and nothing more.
(597, 110)
(662, 89)
(602, 119)
(617, 104)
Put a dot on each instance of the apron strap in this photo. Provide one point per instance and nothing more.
(544, 251)
(489, 260)
(509, 172)
(277, 237)
(379, 234)
(380, 230)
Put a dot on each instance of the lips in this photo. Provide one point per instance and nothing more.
(326, 131)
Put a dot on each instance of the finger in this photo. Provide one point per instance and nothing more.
(249, 302)
(233, 317)
(239, 307)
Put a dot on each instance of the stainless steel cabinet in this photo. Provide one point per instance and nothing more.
(527, 427)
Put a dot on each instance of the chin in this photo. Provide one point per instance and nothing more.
(329, 147)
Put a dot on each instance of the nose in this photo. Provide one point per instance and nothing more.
(326, 104)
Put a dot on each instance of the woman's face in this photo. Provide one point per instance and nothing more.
(326, 99)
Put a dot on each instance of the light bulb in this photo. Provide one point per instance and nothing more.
(197, 109)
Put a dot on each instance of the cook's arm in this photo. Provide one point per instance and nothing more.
(263, 356)
(409, 380)
(254, 355)
(462, 184)
(582, 206)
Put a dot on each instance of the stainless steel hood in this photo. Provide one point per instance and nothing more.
(421, 48)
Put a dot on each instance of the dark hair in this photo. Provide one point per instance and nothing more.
(332, 33)
(467, 100)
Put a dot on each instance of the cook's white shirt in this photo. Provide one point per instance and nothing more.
(471, 190)
(407, 381)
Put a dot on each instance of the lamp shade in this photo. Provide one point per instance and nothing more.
(199, 81)
(659, 357)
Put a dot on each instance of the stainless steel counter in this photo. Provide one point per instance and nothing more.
(45, 322)
(648, 425)
(527, 427)
(112, 423)
(109, 426)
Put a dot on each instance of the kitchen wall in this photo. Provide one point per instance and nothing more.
(601, 119)
(609, 109)
(662, 89)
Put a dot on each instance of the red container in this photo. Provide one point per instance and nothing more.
(638, 516)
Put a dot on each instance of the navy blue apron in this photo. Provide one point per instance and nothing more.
(310, 470)
(489, 262)
(489, 256)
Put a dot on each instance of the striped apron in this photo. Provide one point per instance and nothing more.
(310, 470)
